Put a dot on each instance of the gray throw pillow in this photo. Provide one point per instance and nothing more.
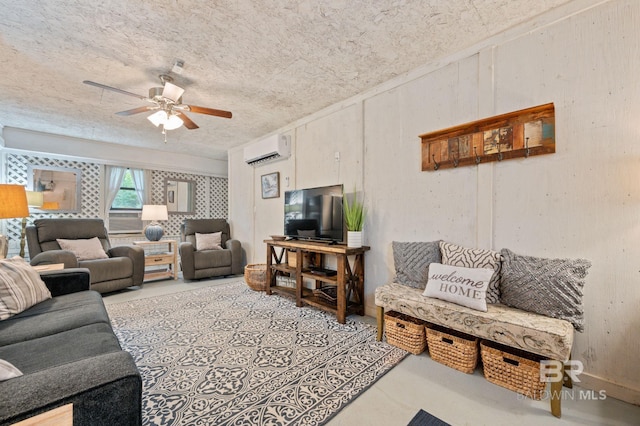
(412, 259)
(551, 287)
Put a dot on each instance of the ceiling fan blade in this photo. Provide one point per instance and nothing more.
(171, 91)
(136, 110)
(187, 121)
(208, 111)
(113, 89)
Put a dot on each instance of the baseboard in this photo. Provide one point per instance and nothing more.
(613, 390)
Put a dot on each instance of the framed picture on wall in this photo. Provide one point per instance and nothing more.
(270, 185)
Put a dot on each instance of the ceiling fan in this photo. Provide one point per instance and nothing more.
(166, 101)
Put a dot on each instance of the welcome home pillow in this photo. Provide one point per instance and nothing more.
(212, 241)
(456, 255)
(459, 285)
(20, 287)
(84, 249)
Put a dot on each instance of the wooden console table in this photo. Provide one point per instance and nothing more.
(348, 280)
(166, 258)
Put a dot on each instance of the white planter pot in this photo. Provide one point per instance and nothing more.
(354, 239)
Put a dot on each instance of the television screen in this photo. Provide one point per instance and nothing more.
(314, 213)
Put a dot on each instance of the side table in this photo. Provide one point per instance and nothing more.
(154, 257)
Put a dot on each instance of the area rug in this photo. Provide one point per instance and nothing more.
(422, 418)
(226, 355)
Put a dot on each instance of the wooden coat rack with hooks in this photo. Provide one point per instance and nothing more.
(518, 134)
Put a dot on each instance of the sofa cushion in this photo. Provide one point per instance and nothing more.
(539, 334)
(456, 255)
(61, 348)
(460, 285)
(84, 249)
(54, 316)
(412, 259)
(210, 241)
(113, 268)
(212, 258)
(551, 287)
(20, 287)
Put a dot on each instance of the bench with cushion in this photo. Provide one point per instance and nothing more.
(546, 328)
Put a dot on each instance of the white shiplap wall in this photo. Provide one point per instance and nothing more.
(582, 201)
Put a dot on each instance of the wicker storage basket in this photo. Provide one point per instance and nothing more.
(256, 276)
(513, 369)
(405, 332)
(452, 348)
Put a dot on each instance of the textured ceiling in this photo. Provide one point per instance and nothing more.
(269, 62)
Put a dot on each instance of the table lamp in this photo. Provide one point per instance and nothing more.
(154, 231)
(13, 204)
(34, 199)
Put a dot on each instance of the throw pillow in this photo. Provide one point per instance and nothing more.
(551, 287)
(456, 255)
(20, 287)
(412, 259)
(459, 285)
(212, 241)
(8, 371)
(84, 249)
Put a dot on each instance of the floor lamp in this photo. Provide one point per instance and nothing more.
(13, 204)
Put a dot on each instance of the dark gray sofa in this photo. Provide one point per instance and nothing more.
(124, 267)
(198, 264)
(68, 353)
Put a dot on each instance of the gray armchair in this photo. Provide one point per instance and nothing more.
(198, 264)
(123, 268)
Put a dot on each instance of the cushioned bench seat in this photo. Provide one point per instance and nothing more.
(549, 337)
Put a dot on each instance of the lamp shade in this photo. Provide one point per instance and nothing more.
(13, 201)
(35, 198)
(154, 212)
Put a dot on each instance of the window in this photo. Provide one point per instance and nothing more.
(124, 212)
(127, 197)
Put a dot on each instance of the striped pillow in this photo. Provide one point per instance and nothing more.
(475, 258)
(20, 287)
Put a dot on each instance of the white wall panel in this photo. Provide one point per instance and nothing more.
(582, 201)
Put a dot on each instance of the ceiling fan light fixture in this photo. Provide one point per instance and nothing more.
(173, 122)
(158, 118)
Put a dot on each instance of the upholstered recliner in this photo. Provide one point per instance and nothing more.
(197, 263)
(123, 266)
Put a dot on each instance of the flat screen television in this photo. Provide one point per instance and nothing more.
(314, 214)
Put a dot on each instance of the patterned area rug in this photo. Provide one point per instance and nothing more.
(229, 355)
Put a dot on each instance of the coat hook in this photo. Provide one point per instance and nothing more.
(527, 151)
(436, 165)
(456, 159)
(478, 159)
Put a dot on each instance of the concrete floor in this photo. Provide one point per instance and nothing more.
(454, 397)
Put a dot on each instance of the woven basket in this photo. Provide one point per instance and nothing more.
(405, 332)
(256, 276)
(452, 348)
(513, 369)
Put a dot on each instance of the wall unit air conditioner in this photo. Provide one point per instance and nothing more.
(275, 147)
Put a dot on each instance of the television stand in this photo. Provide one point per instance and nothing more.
(348, 277)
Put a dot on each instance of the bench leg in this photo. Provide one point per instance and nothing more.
(566, 379)
(556, 398)
(380, 315)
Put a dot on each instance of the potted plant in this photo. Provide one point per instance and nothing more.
(354, 215)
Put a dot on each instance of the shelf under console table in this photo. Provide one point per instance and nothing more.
(348, 279)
